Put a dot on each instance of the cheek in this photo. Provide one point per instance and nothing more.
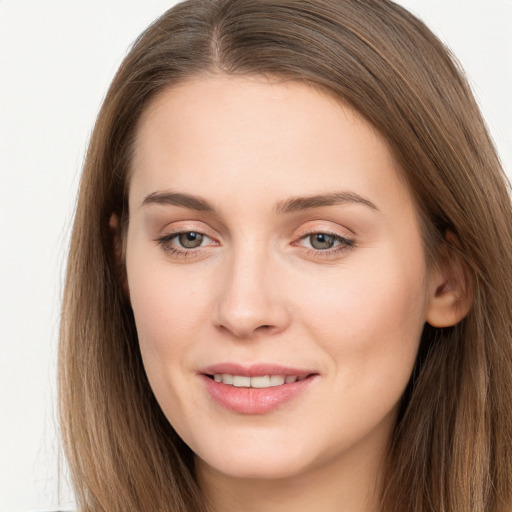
(369, 320)
(169, 312)
(169, 320)
(369, 325)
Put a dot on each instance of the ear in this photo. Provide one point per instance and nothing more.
(450, 287)
(118, 250)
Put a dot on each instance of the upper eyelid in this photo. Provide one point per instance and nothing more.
(306, 229)
(324, 232)
(340, 232)
(180, 227)
(328, 233)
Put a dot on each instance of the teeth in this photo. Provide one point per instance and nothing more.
(263, 381)
(227, 379)
(277, 380)
(241, 382)
(260, 382)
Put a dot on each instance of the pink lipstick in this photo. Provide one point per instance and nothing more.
(255, 389)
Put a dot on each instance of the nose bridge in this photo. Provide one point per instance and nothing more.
(250, 299)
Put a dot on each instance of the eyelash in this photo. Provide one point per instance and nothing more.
(344, 244)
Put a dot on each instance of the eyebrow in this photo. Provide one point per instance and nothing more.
(291, 205)
(317, 201)
(177, 199)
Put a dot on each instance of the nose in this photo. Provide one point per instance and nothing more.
(251, 299)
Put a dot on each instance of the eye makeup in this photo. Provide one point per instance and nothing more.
(193, 243)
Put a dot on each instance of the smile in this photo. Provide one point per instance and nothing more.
(260, 382)
(255, 389)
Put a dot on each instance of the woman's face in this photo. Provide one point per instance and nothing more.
(277, 275)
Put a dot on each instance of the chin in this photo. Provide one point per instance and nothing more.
(256, 467)
(266, 459)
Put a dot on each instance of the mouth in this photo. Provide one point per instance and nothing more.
(258, 382)
(256, 389)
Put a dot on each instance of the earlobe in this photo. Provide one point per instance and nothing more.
(451, 291)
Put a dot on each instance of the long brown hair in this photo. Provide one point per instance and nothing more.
(451, 450)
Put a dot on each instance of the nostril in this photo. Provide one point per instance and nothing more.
(265, 327)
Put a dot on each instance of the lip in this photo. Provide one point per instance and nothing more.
(255, 370)
(255, 400)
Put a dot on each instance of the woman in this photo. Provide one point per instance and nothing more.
(283, 288)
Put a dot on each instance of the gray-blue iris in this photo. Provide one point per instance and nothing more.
(190, 240)
(321, 241)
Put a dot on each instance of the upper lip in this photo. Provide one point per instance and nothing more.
(255, 370)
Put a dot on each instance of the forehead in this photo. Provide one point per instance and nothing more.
(258, 134)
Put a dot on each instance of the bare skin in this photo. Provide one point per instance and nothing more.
(229, 260)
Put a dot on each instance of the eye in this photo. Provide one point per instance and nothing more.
(325, 244)
(183, 243)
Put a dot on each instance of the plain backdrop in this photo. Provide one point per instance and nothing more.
(56, 61)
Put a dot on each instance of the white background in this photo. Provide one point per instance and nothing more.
(56, 61)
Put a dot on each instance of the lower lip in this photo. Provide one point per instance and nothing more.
(255, 400)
